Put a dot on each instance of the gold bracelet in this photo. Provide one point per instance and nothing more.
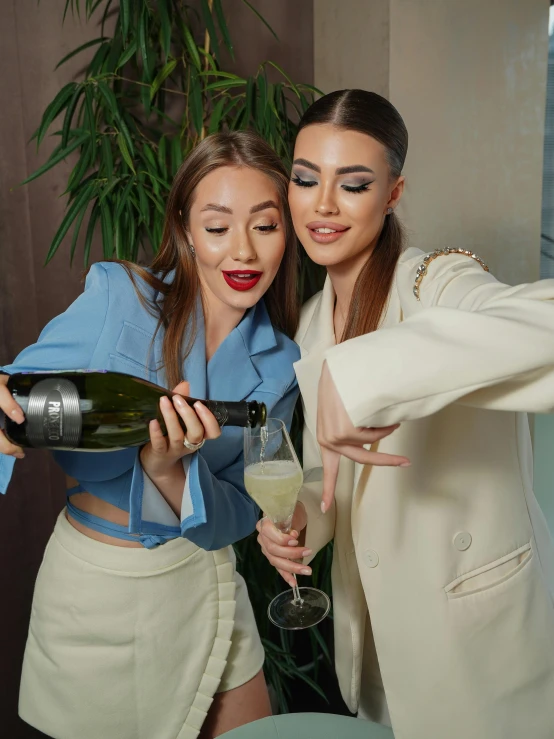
(422, 269)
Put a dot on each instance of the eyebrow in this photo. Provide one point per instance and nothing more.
(341, 170)
(254, 209)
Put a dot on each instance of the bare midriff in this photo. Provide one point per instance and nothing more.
(97, 507)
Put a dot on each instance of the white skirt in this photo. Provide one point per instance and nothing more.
(133, 643)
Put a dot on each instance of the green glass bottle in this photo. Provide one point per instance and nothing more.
(101, 411)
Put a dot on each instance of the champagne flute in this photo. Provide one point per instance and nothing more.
(273, 478)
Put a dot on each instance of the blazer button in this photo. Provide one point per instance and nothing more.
(462, 541)
(371, 558)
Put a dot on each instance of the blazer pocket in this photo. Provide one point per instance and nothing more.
(490, 575)
(137, 346)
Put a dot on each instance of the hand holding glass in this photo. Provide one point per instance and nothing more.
(273, 478)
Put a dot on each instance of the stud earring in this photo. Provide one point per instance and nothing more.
(389, 211)
(192, 251)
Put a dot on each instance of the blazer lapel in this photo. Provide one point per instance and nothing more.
(314, 342)
(392, 316)
(231, 371)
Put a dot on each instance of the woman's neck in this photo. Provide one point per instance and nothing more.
(343, 277)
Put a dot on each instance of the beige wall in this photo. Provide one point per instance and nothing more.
(469, 78)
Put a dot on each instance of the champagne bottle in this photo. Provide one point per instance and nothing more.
(101, 411)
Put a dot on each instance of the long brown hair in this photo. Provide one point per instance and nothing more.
(369, 113)
(238, 149)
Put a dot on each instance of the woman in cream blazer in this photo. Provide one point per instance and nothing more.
(443, 569)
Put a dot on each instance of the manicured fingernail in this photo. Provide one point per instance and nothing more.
(17, 415)
(406, 464)
(306, 552)
(199, 406)
(305, 571)
(294, 533)
(323, 507)
(293, 543)
(179, 402)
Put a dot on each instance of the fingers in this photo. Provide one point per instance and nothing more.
(331, 461)
(359, 436)
(211, 427)
(175, 433)
(285, 564)
(8, 404)
(157, 439)
(199, 421)
(6, 447)
(272, 534)
(379, 459)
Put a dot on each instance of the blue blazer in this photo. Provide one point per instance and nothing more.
(108, 328)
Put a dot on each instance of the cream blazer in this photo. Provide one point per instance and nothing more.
(449, 561)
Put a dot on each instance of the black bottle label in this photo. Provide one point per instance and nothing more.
(54, 415)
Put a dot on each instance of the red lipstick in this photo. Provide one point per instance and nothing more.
(242, 279)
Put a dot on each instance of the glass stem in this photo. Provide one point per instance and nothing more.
(297, 600)
(285, 527)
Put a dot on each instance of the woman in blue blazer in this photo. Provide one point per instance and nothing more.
(139, 616)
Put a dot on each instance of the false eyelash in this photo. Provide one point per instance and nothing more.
(216, 230)
(359, 188)
(302, 183)
(266, 229)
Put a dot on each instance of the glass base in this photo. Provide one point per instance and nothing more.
(286, 613)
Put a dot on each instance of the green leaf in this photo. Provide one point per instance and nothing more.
(191, 46)
(176, 154)
(293, 87)
(219, 73)
(83, 164)
(164, 9)
(143, 38)
(78, 50)
(149, 156)
(97, 63)
(263, 20)
(129, 52)
(76, 231)
(110, 98)
(215, 118)
(56, 158)
(162, 155)
(125, 151)
(124, 18)
(209, 59)
(107, 190)
(107, 230)
(54, 109)
(70, 112)
(68, 219)
(94, 214)
(223, 26)
(107, 157)
(89, 115)
(124, 197)
(209, 21)
(195, 101)
(226, 83)
(162, 75)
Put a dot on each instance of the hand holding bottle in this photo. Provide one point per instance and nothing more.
(162, 453)
(13, 411)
